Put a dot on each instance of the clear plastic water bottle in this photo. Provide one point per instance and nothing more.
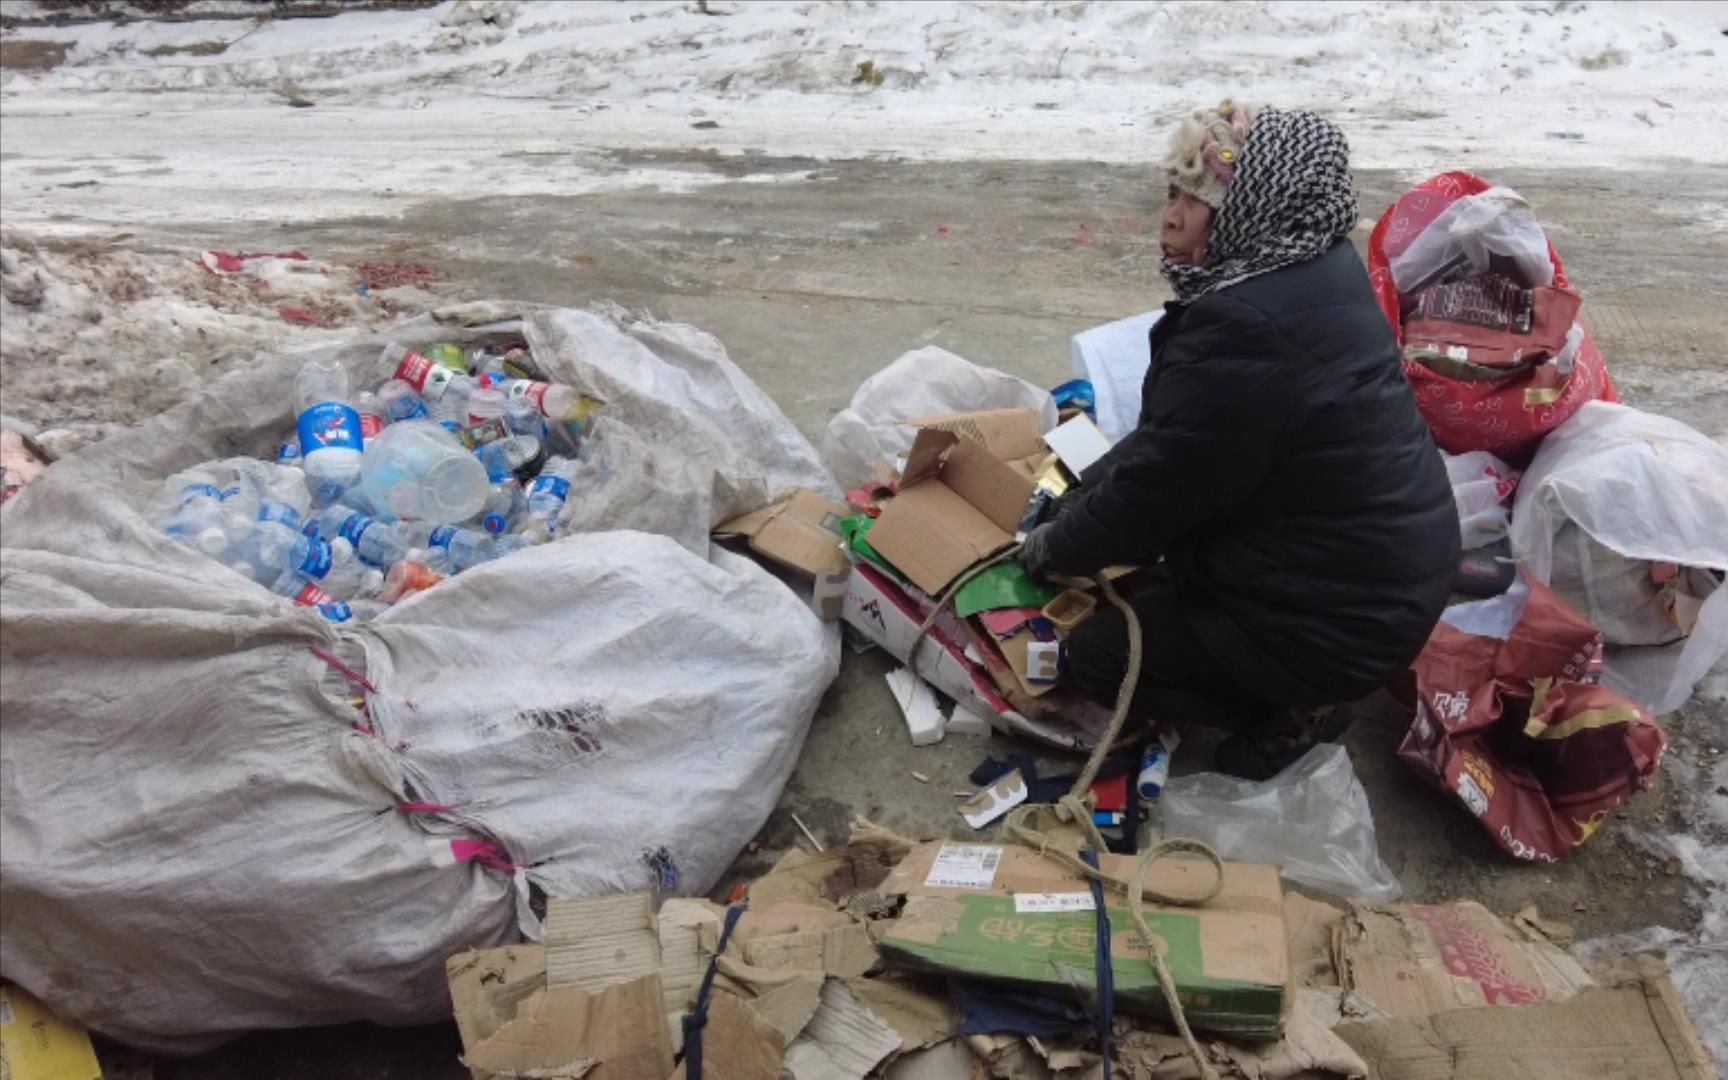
(190, 487)
(447, 548)
(375, 542)
(330, 439)
(551, 488)
(401, 402)
(523, 417)
(372, 415)
(297, 588)
(505, 510)
(330, 564)
(424, 376)
(271, 549)
(554, 400)
(285, 500)
(485, 403)
(451, 408)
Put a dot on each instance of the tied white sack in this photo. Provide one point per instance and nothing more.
(1615, 489)
(196, 839)
(924, 382)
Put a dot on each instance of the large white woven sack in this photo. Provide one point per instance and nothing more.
(197, 839)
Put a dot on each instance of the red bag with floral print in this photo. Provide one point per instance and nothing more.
(1511, 719)
(1505, 416)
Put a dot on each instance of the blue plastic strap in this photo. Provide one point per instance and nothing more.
(697, 1018)
(1106, 977)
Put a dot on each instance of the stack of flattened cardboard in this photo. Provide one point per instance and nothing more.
(1284, 988)
(798, 991)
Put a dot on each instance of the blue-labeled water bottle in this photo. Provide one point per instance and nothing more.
(330, 435)
(1155, 765)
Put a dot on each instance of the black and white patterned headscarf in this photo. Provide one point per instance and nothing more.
(1290, 199)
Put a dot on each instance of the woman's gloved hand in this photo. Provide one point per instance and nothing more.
(1035, 551)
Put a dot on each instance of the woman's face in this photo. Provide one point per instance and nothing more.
(1187, 224)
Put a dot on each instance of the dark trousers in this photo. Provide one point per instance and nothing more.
(1180, 681)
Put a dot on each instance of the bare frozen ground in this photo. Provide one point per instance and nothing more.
(816, 274)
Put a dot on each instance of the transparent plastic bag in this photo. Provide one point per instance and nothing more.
(1312, 821)
(1463, 237)
(1482, 486)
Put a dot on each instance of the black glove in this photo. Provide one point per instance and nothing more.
(1035, 552)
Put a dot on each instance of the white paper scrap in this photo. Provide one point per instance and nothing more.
(964, 866)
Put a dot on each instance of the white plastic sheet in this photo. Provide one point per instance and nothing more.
(1115, 358)
(1647, 488)
(1312, 821)
(923, 382)
(197, 840)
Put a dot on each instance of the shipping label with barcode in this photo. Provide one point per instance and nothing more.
(1060, 901)
(964, 866)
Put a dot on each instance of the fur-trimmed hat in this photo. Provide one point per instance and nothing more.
(1204, 150)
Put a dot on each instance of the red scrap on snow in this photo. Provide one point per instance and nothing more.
(377, 275)
(299, 315)
(232, 262)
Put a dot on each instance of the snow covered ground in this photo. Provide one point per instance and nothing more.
(1552, 83)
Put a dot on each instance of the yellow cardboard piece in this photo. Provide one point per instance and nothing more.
(35, 1044)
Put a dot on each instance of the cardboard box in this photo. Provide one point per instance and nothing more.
(35, 1044)
(1008, 914)
(800, 532)
(958, 503)
(1009, 434)
(889, 616)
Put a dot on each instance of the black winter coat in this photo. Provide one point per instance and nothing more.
(1282, 469)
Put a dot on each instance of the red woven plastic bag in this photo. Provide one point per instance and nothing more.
(1506, 417)
(1510, 718)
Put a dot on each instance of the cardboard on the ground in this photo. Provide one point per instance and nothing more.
(921, 1014)
(1637, 1032)
(1009, 434)
(950, 1060)
(957, 504)
(679, 926)
(1229, 958)
(843, 1041)
(567, 1033)
(800, 532)
(737, 1044)
(788, 1007)
(35, 1044)
(1416, 959)
(827, 877)
(1078, 442)
(486, 986)
(842, 951)
(593, 942)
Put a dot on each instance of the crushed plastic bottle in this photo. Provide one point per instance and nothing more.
(375, 542)
(416, 470)
(372, 415)
(401, 402)
(331, 564)
(547, 497)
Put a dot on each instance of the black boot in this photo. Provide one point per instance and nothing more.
(1264, 751)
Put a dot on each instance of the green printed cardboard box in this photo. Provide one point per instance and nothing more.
(1009, 915)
